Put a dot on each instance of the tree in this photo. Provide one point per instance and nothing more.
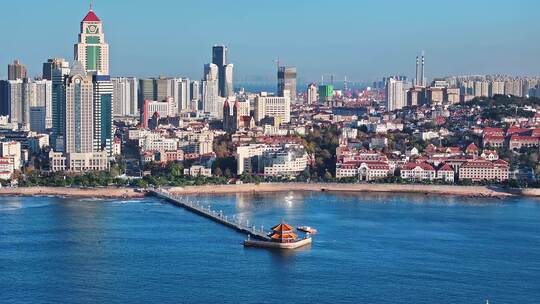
(218, 172)
(176, 170)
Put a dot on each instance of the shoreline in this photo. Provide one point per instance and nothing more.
(126, 192)
(466, 191)
(102, 192)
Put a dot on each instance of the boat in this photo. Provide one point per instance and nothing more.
(307, 229)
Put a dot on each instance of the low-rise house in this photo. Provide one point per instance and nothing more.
(490, 155)
(472, 150)
(197, 170)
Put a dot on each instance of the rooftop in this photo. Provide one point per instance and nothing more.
(91, 17)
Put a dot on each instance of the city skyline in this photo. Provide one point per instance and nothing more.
(449, 44)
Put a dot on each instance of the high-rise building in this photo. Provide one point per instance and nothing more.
(147, 91)
(326, 93)
(103, 113)
(181, 94)
(79, 111)
(229, 79)
(496, 88)
(16, 70)
(22, 95)
(210, 90)
(312, 93)
(125, 96)
(395, 94)
(43, 99)
(219, 58)
(51, 64)
(164, 88)
(59, 72)
(4, 109)
(195, 90)
(416, 96)
(37, 119)
(219, 55)
(271, 106)
(195, 96)
(225, 70)
(16, 101)
(287, 81)
(92, 50)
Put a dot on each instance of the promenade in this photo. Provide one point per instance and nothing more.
(216, 216)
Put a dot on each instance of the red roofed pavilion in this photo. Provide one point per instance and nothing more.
(283, 233)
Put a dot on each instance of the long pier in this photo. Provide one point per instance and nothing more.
(216, 216)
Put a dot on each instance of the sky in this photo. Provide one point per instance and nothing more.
(358, 39)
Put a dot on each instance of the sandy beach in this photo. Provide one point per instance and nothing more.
(105, 192)
(472, 191)
(115, 192)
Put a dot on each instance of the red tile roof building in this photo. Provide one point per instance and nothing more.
(519, 141)
(471, 149)
(364, 170)
(418, 171)
(478, 170)
(494, 141)
(446, 173)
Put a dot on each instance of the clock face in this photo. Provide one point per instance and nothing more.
(92, 29)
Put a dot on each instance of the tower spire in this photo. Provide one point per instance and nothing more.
(91, 5)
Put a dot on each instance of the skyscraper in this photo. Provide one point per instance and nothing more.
(181, 94)
(125, 96)
(195, 97)
(50, 65)
(43, 99)
(92, 50)
(312, 93)
(229, 79)
(16, 70)
(395, 94)
(103, 121)
(4, 97)
(287, 81)
(225, 70)
(58, 73)
(210, 90)
(15, 101)
(79, 107)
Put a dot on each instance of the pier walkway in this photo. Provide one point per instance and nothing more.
(216, 216)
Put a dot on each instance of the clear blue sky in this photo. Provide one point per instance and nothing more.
(360, 39)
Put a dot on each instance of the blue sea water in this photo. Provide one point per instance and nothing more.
(370, 248)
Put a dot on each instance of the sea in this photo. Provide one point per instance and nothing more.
(370, 248)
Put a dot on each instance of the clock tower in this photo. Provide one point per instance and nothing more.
(92, 50)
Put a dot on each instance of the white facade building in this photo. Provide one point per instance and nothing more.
(271, 106)
(125, 96)
(92, 50)
(395, 95)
